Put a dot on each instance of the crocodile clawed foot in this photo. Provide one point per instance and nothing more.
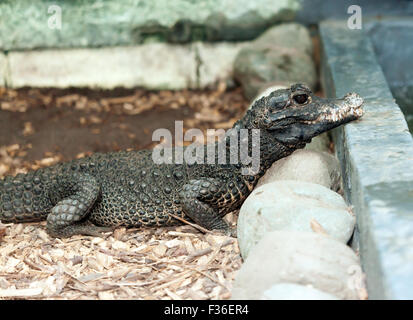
(85, 228)
(230, 232)
(96, 231)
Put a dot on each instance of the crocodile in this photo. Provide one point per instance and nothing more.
(127, 188)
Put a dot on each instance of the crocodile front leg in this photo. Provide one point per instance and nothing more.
(196, 198)
(74, 195)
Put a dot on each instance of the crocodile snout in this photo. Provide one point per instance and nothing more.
(354, 99)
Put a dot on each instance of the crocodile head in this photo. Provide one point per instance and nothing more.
(295, 115)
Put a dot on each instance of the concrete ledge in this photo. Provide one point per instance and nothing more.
(391, 37)
(152, 66)
(376, 155)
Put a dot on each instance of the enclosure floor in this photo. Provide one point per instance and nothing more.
(41, 127)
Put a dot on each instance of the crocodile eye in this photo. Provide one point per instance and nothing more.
(301, 98)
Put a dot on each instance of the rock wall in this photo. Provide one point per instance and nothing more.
(29, 24)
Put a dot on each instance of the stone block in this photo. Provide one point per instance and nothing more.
(153, 66)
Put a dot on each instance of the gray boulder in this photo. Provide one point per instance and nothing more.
(283, 54)
(288, 205)
(292, 291)
(288, 35)
(305, 165)
(303, 258)
(320, 143)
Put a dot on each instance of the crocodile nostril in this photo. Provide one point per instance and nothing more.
(354, 99)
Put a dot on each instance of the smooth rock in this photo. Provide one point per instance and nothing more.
(320, 143)
(215, 62)
(276, 56)
(305, 165)
(288, 205)
(303, 258)
(292, 291)
(287, 35)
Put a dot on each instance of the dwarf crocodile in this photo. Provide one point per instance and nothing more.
(128, 189)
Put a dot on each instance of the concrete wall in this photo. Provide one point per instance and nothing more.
(392, 39)
(376, 155)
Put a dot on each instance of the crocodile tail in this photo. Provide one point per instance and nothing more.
(24, 198)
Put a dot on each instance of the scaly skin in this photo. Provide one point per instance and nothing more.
(129, 189)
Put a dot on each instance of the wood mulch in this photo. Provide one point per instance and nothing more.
(164, 263)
